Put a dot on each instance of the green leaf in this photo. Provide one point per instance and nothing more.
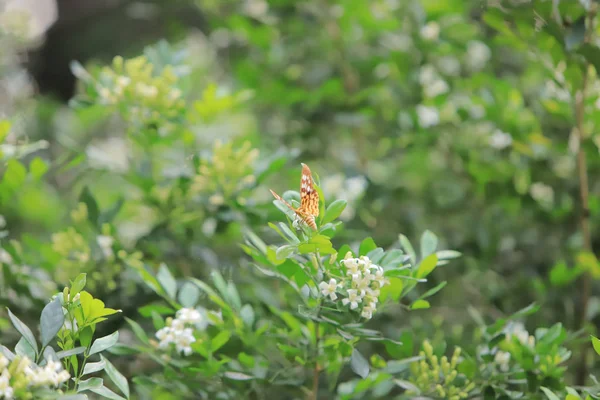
(110, 214)
(288, 233)
(106, 393)
(23, 330)
(51, 320)
(530, 309)
(90, 368)
(4, 130)
(596, 344)
(426, 266)
(419, 304)
(15, 175)
(434, 290)
(7, 353)
(247, 314)
(88, 199)
(116, 377)
(70, 352)
(429, 243)
(219, 341)
(237, 376)
(104, 343)
(167, 281)
(89, 384)
(591, 54)
(188, 295)
(78, 284)
(333, 211)
(37, 168)
(448, 254)
(137, 329)
(23, 348)
(549, 394)
(407, 247)
(359, 364)
(366, 246)
(285, 251)
(393, 290)
(72, 397)
(85, 336)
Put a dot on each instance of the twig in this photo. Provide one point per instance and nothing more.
(584, 199)
(316, 370)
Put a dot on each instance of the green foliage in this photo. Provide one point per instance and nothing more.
(473, 120)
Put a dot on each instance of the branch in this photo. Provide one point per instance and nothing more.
(584, 200)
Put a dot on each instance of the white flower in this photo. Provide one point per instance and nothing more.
(427, 74)
(436, 88)
(6, 392)
(362, 284)
(111, 153)
(502, 358)
(105, 243)
(518, 330)
(256, 8)
(500, 140)
(478, 54)
(189, 316)
(183, 340)
(52, 374)
(379, 278)
(431, 31)
(166, 337)
(144, 90)
(368, 310)
(542, 193)
(353, 298)
(5, 257)
(476, 111)
(351, 266)
(449, 65)
(3, 362)
(428, 116)
(328, 289)
(123, 81)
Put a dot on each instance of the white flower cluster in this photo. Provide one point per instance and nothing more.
(6, 391)
(518, 330)
(513, 329)
(431, 81)
(179, 332)
(361, 285)
(427, 116)
(500, 140)
(542, 193)
(502, 358)
(52, 374)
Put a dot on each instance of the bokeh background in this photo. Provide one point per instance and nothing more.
(459, 117)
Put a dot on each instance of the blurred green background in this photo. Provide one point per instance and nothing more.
(459, 117)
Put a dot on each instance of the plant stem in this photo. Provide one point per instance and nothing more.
(584, 200)
(314, 393)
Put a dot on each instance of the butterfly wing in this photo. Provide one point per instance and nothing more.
(278, 197)
(309, 197)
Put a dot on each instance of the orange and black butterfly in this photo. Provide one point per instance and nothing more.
(309, 199)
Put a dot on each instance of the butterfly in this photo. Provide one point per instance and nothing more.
(309, 199)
